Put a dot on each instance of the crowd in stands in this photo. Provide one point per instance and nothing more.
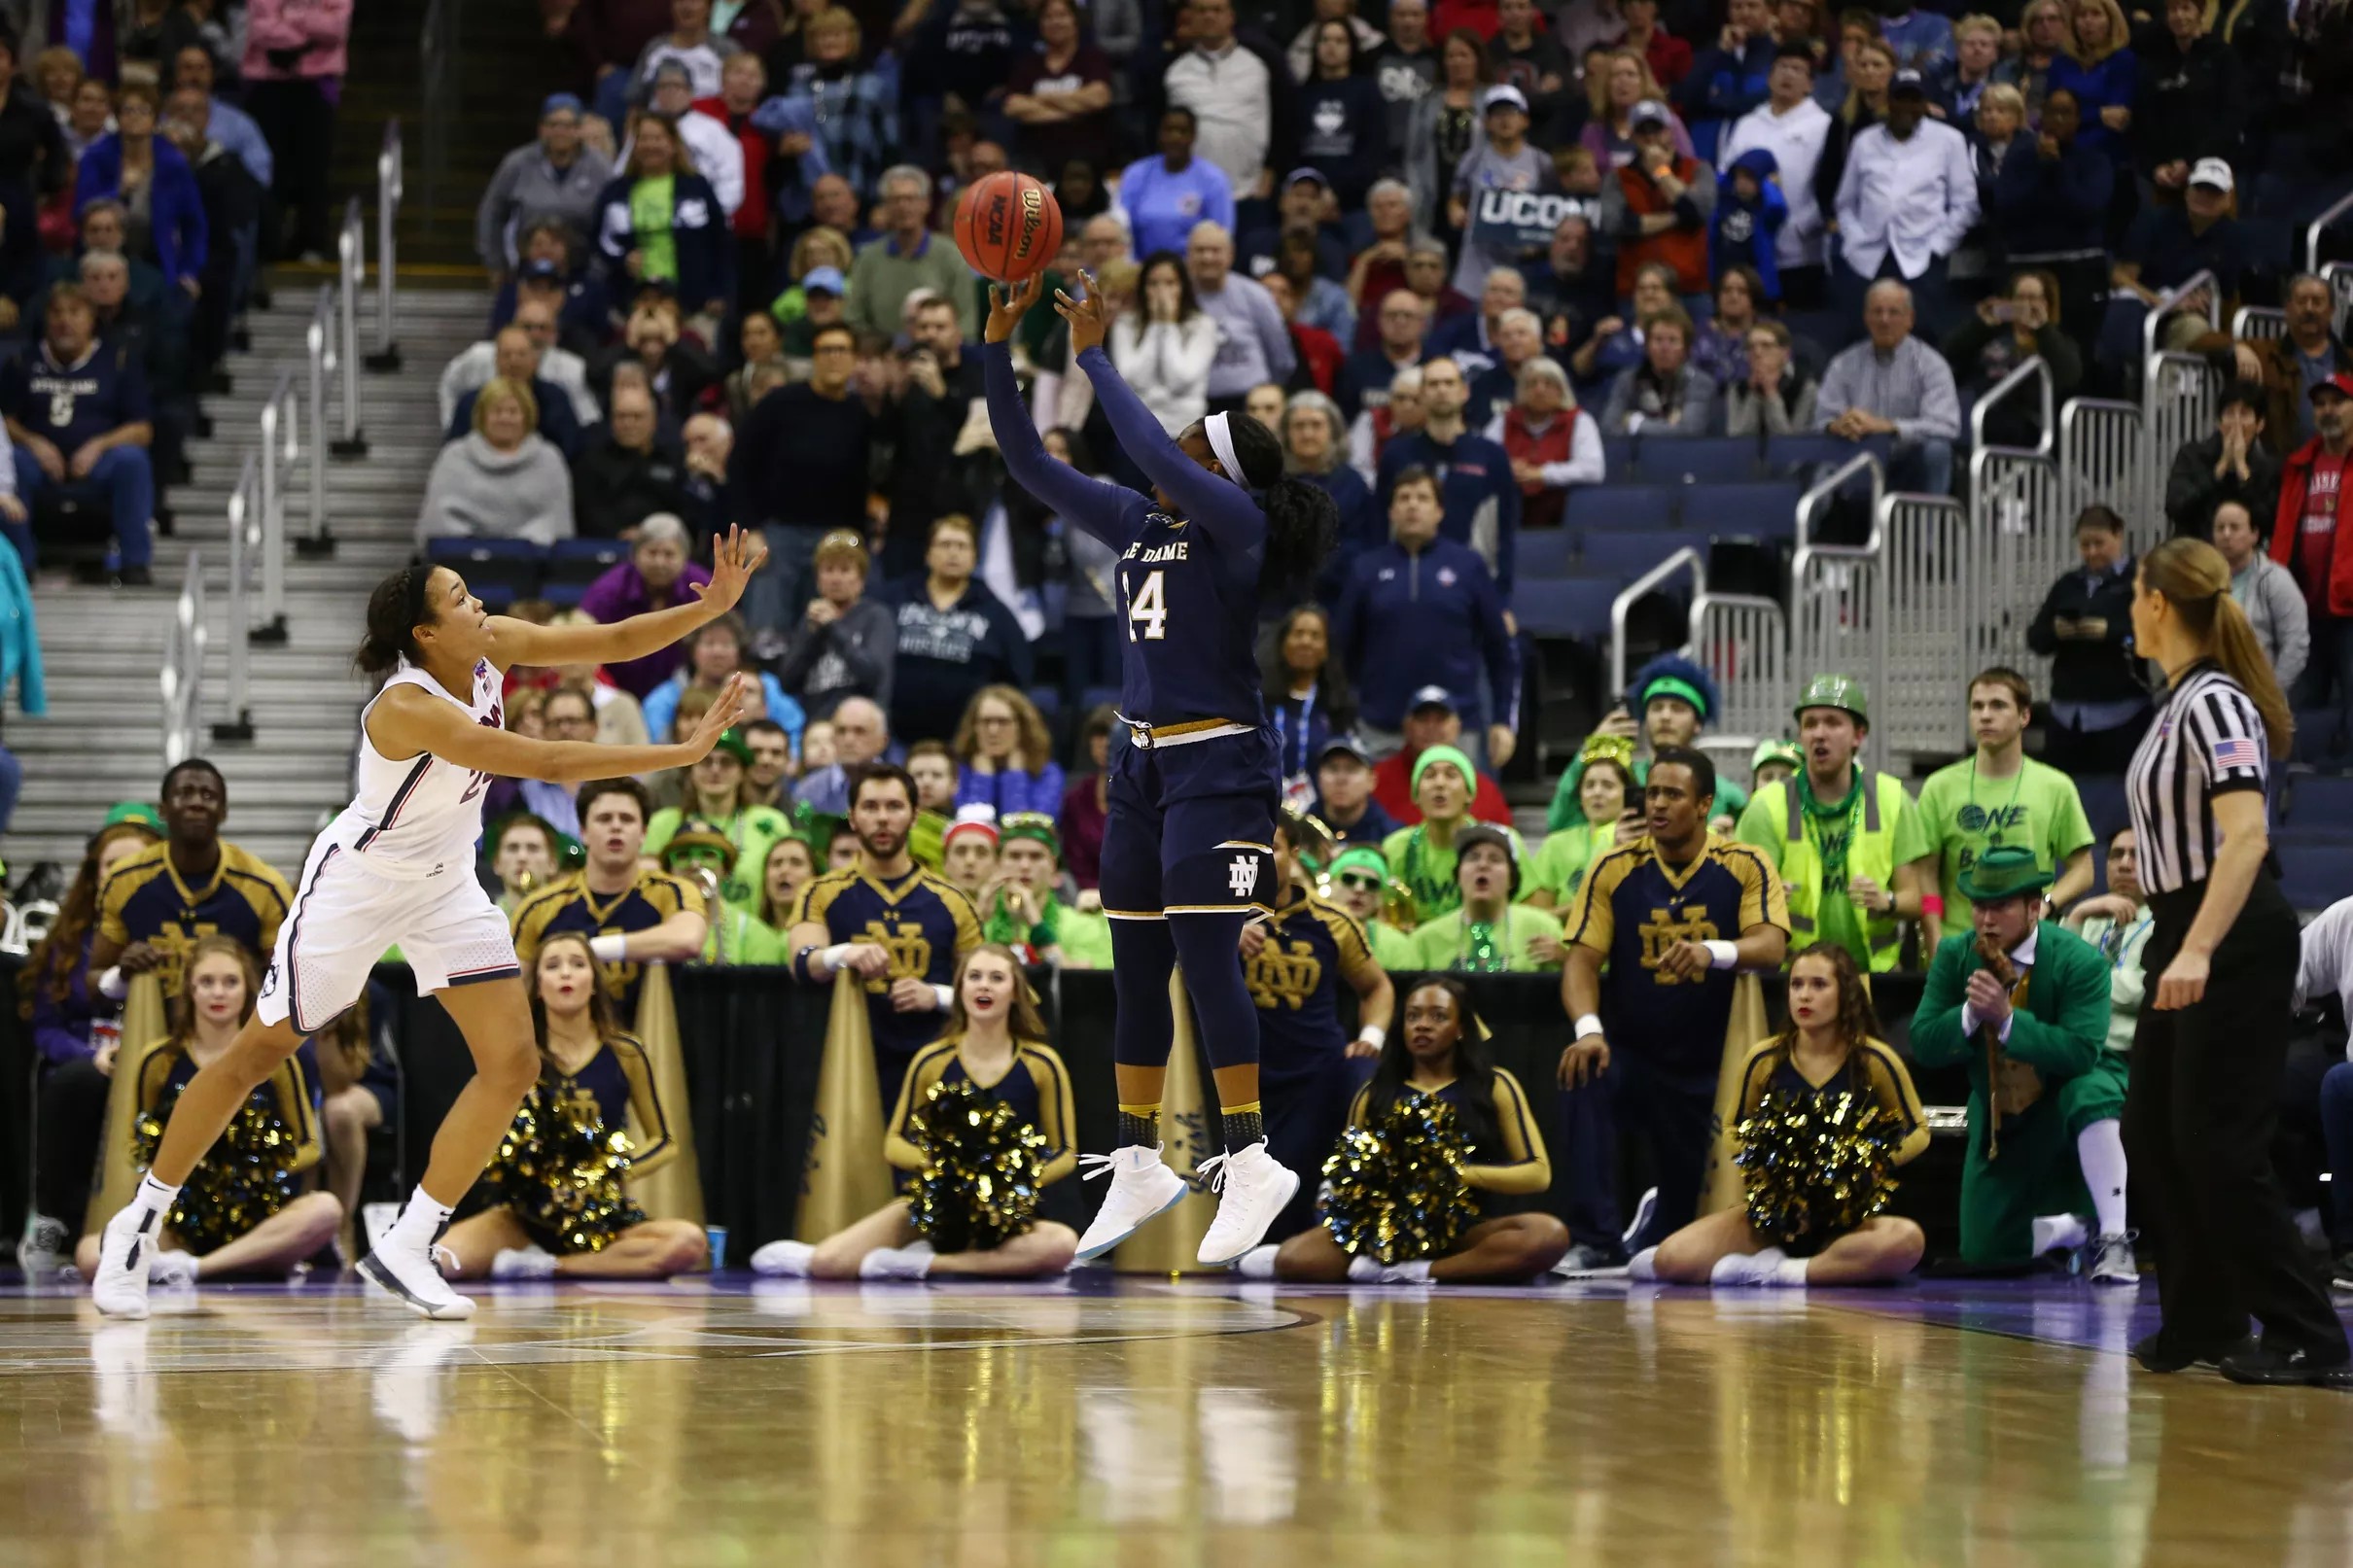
(1461, 261)
(153, 156)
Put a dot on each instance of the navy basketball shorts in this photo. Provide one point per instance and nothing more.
(1191, 828)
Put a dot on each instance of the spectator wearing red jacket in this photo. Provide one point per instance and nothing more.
(1482, 16)
(1319, 353)
(1430, 721)
(2310, 539)
(743, 83)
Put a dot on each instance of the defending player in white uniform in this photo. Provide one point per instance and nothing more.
(397, 867)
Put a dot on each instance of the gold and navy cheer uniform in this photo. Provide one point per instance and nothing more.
(922, 920)
(145, 901)
(569, 905)
(612, 1091)
(1305, 1076)
(1506, 1165)
(263, 1159)
(1666, 1033)
(1036, 1086)
(1872, 1071)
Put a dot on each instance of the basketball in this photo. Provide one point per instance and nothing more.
(1008, 226)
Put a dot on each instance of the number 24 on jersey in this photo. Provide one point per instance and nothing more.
(1147, 607)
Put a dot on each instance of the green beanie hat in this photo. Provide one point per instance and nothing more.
(1445, 754)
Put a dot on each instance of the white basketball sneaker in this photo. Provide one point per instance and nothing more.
(1141, 1186)
(415, 1278)
(1252, 1186)
(127, 1251)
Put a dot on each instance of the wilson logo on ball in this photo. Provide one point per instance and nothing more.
(1007, 226)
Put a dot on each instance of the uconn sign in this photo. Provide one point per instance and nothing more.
(1507, 221)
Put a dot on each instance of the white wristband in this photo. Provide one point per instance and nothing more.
(1589, 1023)
(1721, 954)
(945, 995)
(112, 986)
(1373, 1035)
(611, 948)
(831, 957)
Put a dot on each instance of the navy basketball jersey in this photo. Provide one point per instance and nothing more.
(1190, 610)
(1634, 907)
(569, 906)
(922, 920)
(1311, 947)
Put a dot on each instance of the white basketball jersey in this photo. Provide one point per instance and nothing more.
(415, 817)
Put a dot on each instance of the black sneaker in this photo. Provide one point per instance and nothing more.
(2340, 1274)
(2157, 1353)
(137, 577)
(2267, 1366)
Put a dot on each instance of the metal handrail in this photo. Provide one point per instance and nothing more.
(2166, 301)
(351, 266)
(1620, 608)
(387, 355)
(320, 344)
(1836, 480)
(182, 674)
(281, 448)
(2258, 322)
(244, 531)
(437, 54)
(2036, 369)
(2318, 227)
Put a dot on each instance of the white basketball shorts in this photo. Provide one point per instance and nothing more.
(344, 918)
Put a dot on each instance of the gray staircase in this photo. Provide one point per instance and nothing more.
(102, 741)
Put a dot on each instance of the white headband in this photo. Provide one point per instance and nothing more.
(1219, 430)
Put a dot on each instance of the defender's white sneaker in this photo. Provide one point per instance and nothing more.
(1252, 1186)
(127, 1251)
(415, 1280)
(1142, 1186)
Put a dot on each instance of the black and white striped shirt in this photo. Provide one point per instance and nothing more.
(2209, 740)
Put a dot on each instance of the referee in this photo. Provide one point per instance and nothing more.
(2213, 1034)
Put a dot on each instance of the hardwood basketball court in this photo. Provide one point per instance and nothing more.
(1141, 1423)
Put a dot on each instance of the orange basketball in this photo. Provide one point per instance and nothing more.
(1008, 226)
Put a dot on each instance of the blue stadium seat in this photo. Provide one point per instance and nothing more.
(1630, 555)
(1762, 509)
(2315, 734)
(1706, 460)
(583, 560)
(2317, 876)
(1047, 700)
(2320, 799)
(1620, 453)
(1785, 454)
(500, 571)
(564, 595)
(1619, 507)
(1564, 607)
(1543, 552)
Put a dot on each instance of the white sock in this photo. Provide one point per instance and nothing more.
(420, 1223)
(1365, 1270)
(1416, 1272)
(1258, 1262)
(2059, 1233)
(1790, 1272)
(154, 1198)
(1643, 1265)
(2100, 1148)
(1742, 1268)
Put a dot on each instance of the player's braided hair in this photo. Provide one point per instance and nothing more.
(1302, 522)
(394, 611)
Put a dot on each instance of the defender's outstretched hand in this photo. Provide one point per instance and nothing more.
(733, 559)
(720, 717)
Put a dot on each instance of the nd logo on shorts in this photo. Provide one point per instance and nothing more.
(1236, 875)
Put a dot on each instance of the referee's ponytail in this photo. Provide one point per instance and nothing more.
(1302, 521)
(2195, 581)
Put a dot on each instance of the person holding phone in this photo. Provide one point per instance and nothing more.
(2003, 333)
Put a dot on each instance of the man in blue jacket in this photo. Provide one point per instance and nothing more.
(1478, 499)
(1731, 78)
(1423, 611)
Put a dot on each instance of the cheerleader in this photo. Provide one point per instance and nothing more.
(1441, 1051)
(995, 1041)
(245, 1210)
(1831, 1049)
(590, 1070)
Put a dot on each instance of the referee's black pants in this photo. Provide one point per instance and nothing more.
(2198, 1123)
